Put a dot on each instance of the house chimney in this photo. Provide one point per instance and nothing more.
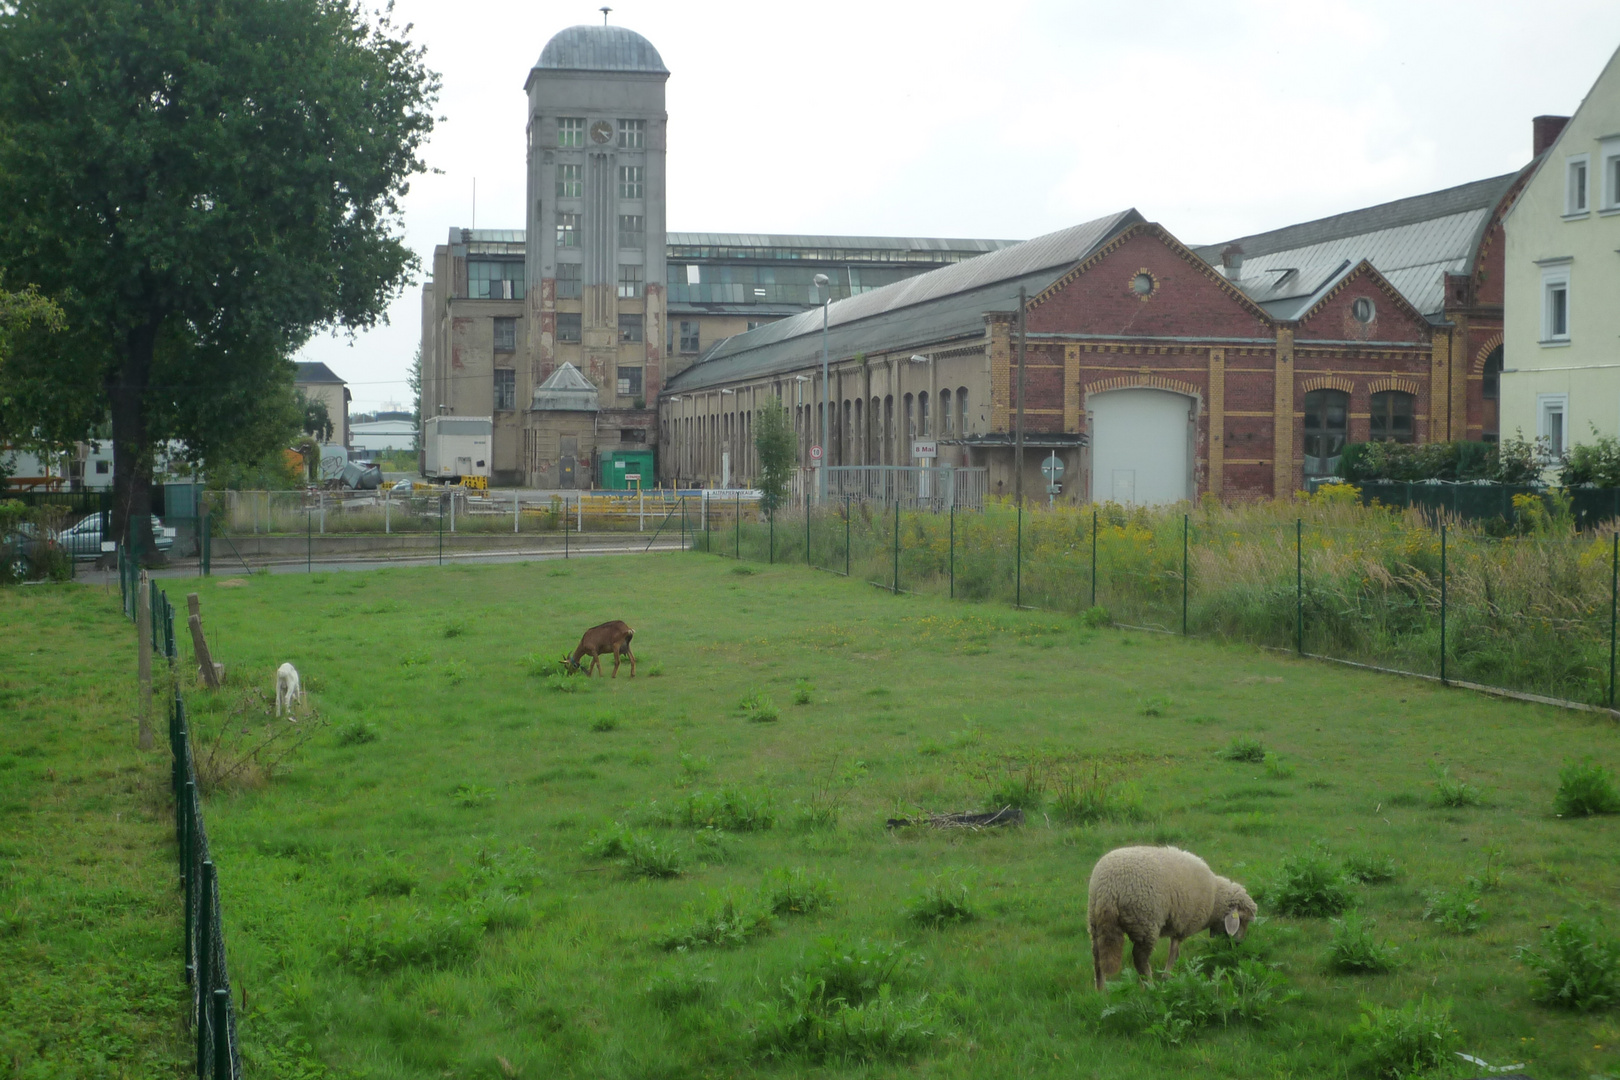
(1545, 129)
(1232, 262)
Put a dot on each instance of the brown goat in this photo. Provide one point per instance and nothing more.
(611, 637)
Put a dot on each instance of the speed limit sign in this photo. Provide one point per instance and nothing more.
(815, 453)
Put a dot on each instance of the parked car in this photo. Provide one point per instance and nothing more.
(84, 538)
(23, 552)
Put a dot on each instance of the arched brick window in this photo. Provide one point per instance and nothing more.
(1391, 417)
(1490, 388)
(947, 420)
(1326, 417)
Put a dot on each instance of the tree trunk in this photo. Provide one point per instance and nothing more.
(132, 451)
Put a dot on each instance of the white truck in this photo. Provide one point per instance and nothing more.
(457, 446)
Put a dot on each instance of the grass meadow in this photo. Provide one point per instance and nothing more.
(480, 868)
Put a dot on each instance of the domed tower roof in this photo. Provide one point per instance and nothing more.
(601, 48)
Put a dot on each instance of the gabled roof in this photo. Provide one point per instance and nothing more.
(313, 371)
(1311, 304)
(1412, 243)
(949, 302)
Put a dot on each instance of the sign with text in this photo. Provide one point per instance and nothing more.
(924, 448)
(815, 453)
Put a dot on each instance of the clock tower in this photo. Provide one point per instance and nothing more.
(595, 216)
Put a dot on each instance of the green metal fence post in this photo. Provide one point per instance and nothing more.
(953, 550)
(1018, 562)
(1185, 519)
(207, 546)
(736, 529)
(309, 542)
(205, 977)
(846, 536)
(807, 529)
(708, 545)
(1442, 602)
(1299, 586)
(1614, 603)
(187, 829)
(441, 528)
(770, 549)
(565, 527)
(896, 589)
(222, 1034)
(1094, 557)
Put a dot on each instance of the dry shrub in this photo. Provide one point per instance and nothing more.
(251, 745)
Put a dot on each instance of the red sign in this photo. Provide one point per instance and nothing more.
(815, 453)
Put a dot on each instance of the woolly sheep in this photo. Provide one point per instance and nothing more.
(1143, 892)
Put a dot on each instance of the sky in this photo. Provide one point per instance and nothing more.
(1005, 120)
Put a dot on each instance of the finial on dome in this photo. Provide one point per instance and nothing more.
(605, 14)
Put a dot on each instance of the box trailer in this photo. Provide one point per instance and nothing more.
(457, 446)
(623, 470)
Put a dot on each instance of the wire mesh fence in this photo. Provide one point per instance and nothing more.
(212, 1016)
(1532, 613)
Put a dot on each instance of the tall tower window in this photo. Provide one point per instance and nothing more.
(571, 131)
(505, 388)
(632, 231)
(631, 282)
(570, 281)
(570, 181)
(505, 335)
(632, 134)
(632, 180)
(567, 230)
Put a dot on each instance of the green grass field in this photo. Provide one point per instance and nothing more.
(472, 871)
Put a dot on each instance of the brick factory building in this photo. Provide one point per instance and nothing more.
(1156, 371)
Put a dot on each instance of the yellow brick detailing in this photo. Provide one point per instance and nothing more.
(1217, 421)
(1326, 382)
(1393, 382)
(1071, 388)
(1457, 380)
(1142, 379)
(1439, 379)
(1282, 471)
(1000, 375)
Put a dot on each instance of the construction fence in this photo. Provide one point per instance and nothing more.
(1530, 614)
(211, 1016)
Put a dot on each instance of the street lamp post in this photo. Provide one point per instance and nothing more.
(821, 473)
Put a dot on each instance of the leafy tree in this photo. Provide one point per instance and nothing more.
(20, 313)
(317, 418)
(778, 446)
(199, 186)
(413, 378)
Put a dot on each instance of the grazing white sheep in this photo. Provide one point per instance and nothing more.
(288, 688)
(1144, 892)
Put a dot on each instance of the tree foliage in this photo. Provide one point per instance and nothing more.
(21, 313)
(317, 418)
(778, 446)
(200, 186)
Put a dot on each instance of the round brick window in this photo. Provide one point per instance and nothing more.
(1362, 310)
(1142, 284)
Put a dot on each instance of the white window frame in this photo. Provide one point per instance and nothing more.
(632, 181)
(632, 134)
(1546, 406)
(1553, 278)
(1609, 176)
(570, 181)
(1577, 207)
(570, 132)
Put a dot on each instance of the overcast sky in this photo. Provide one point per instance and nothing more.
(1008, 120)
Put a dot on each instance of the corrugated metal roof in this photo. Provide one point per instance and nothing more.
(873, 243)
(1412, 242)
(601, 48)
(566, 390)
(935, 306)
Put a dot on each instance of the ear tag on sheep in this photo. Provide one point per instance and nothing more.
(1232, 924)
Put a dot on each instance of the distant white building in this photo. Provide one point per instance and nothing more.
(375, 436)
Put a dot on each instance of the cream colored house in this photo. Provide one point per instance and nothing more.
(1561, 332)
(317, 382)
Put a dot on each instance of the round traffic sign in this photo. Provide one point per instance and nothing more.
(1052, 467)
(815, 453)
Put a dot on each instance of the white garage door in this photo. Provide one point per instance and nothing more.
(1141, 446)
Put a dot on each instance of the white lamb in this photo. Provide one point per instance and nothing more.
(289, 689)
(1143, 892)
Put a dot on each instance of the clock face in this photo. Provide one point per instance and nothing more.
(601, 131)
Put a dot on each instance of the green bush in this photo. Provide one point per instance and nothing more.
(940, 903)
(1023, 789)
(759, 709)
(1575, 968)
(732, 922)
(605, 722)
(1415, 1040)
(794, 892)
(1245, 750)
(1087, 800)
(1458, 911)
(1096, 617)
(1454, 792)
(734, 808)
(646, 857)
(1277, 768)
(1308, 885)
(1585, 788)
(845, 1004)
(1365, 868)
(802, 690)
(1175, 1007)
(1352, 948)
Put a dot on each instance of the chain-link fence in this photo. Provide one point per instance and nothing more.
(1532, 614)
(211, 1015)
